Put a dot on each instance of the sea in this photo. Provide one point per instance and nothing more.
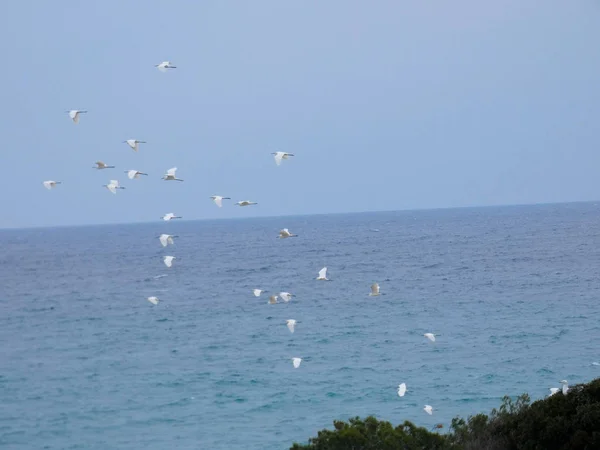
(87, 362)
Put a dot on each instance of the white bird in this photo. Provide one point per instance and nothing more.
(285, 296)
(219, 200)
(113, 186)
(257, 292)
(170, 175)
(134, 144)
(281, 155)
(428, 409)
(153, 300)
(401, 389)
(51, 184)
(166, 239)
(272, 299)
(74, 114)
(291, 324)
(100, 165)
(374, 290)
(430, 336)
(168, 260)
(163, 66)
(553, 391)
(565, 387)
(246, 203)
(285, 233)
(323, 274)
(296, 362)
(134, 174)
(170, 216)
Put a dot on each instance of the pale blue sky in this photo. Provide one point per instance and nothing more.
(387, 105)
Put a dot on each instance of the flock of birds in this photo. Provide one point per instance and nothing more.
(167, 239)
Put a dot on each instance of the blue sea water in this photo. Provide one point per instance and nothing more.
(88, 363)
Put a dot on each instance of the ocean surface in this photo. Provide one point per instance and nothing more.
(86, 362)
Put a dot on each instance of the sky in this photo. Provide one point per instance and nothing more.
(386, 104)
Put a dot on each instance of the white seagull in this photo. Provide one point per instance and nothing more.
(170, 175)
(153, 300)
(430, 336)
(246, 203)
(296, 362)
(257, 292)
(113, 186)
(323, 274)
(170, 216)
(281, 155)
(428, 409)
(134, 174)
(100, 165)
(285, 233)
(163, 66)
(134, 144)
(272, 299)
(51, 184)
(291, 324)
(285, 296)
(168, 260)
(374, 290)
(74, 114)
(401, 389)
(166, 239)
(565, 387)
(219, 200)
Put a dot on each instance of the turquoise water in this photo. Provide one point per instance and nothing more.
(88, 362)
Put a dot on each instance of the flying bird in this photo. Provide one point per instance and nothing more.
(170, 216)
(246, 203)
(281, 155)
(134, 174)
(51, 184)
(257, 292)
(272, 299)
(430, 336)
(168, 260)
(374, 290)
(219, 200)
(401, 389)
(100, 165)
(134, 144)
(153, 300)
(291, 324)
(285, 233)
(113, 186)
(170, 175)
(296, 362)
(285, 296)
(323, 274)
(74, 114)
(163, 66)
(428, 409)
(565, 387)
(166, 239)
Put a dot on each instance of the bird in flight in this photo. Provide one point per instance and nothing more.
(50, 184)
(163, 66)
(74, 114)
(134, 144)
(219, 200)
(100, 165)
(280, 155)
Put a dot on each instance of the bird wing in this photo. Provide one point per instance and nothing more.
(402, 389)
(256, 292)
(323, 272)
(218, 201)
(111, 188)
(131, 174)
(172, 171)
(278, 157)
(164, 239)
(153, 300)
(290, 325)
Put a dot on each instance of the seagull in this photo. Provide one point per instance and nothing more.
(51, 184)
(166, 239)
(170, 175)
(401, 389)
(170, 216)
(272, 299)
(134, 174)
(74, 114)
(374, 290)
(323, 274)
(285, 296)
(565, 387)
(291, 323)
(246, 203)
(153, 300)
(553, 391)
(281, 155)
(428, 409)
(257, 292)
(168, 260)
(296, 362)
(113, 186)
(430, 336)
(100, 165)
(134, 144)
(285, 233)
(163, 66)
(219, 200)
